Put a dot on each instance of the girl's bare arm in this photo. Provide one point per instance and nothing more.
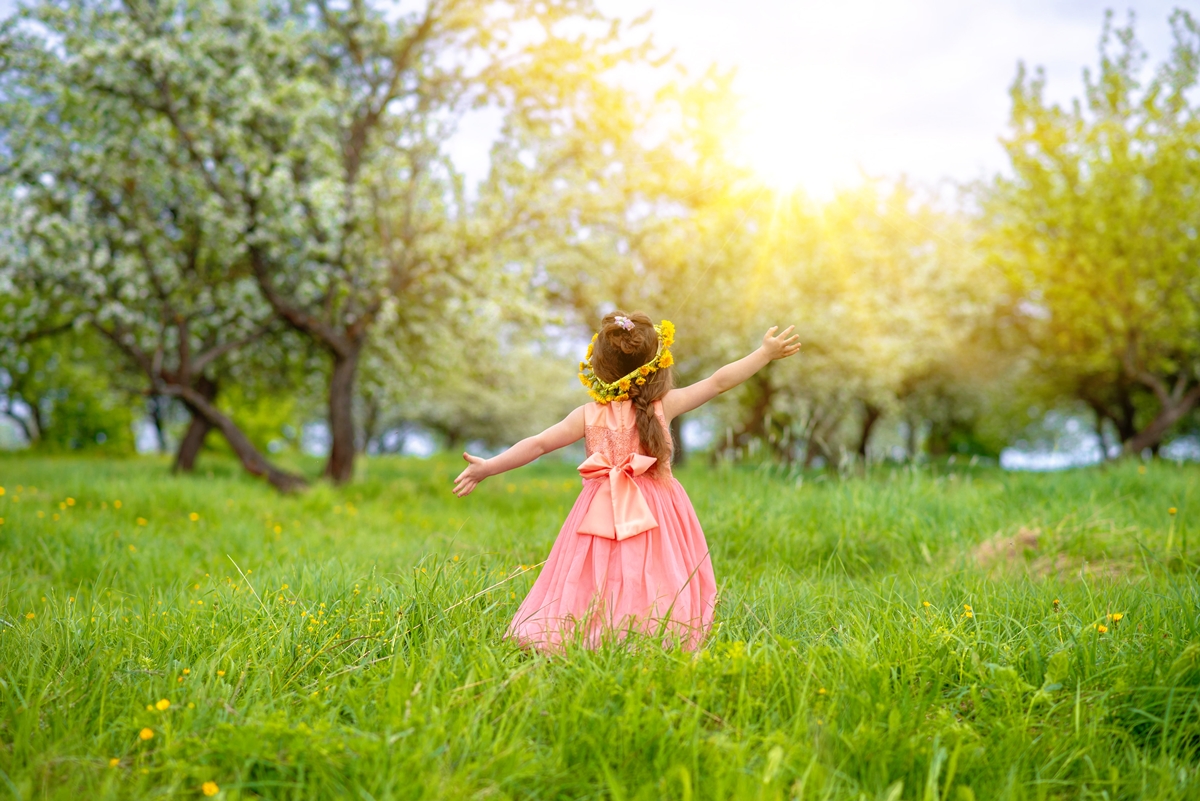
(678, 401)
(559, 435)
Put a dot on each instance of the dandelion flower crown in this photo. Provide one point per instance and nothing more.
(602, 391)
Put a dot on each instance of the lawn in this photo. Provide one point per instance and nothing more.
(172, 637)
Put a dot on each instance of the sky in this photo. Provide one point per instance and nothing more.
(835, 89)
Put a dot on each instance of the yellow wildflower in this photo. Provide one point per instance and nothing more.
(1172, 511)
(583, 380)
(163, 705)
(210, 788)
(666, 360)
(1, 492)
(1115, 617)
(645, 369)
(967, 607)
(116, 504)
(193, 517)
(925, 604)
(220, 673)
(146, 734)
(112, 763)
(641, 381)
(141, 521)
(30, 616)
(1100, 627)
(623, 384)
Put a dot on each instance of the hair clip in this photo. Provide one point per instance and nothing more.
(624, 322)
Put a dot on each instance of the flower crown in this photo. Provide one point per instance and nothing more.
(604, 392)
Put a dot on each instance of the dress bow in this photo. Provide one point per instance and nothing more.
(618, 510)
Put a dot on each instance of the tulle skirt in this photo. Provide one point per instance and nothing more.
(658, 583)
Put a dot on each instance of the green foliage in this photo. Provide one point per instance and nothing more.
(1096, 232)
(69, 402)
(347, 642)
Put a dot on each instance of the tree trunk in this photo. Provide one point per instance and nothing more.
(678, 454)
(197, 431)
(1169, 414)
(156, 416)
(872, 413)
(370, 423)
(912, 439)
(340, 467)
(254, 462)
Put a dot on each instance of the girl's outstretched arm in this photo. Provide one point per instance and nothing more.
(559, 435)
(678, 401)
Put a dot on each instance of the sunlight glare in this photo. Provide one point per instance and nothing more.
(790, 150)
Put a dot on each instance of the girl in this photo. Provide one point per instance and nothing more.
(631, 556)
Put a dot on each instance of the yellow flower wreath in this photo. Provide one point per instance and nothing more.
(604, 392)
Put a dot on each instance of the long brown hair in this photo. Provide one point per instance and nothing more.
(617, 354)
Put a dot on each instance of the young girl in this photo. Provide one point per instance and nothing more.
(631, 556)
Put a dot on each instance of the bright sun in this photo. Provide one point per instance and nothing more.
(790, 149)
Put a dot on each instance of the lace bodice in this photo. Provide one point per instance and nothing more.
(611, 429)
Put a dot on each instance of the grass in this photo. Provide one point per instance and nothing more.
(345, 643)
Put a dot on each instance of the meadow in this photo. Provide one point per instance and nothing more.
(183, 637)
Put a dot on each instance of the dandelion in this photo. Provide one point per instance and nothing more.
(1, 521)
(278, 529)
(30, 616)
(187, 671)
(141, 521)
(220, 673)
(1172, 511)
(1115, 617)
(1100, 627)
(210, 788)
(925, 604)
(821, 691)
(112, 763)
(967, 607)
(116, 504)
(193, 517)
(191, 705)
(968, 613)
(146, 734)
(163, 705)
(55, 516)
(133, 549)
(70, 501)
(1, 492)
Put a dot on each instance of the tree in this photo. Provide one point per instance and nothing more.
(103, 231)
(1096, 232)
(317, 134)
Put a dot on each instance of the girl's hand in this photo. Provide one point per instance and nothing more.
(468, 479)
(781, 346)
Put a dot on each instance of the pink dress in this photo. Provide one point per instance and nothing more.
(647, 570)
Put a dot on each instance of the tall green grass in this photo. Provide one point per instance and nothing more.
(347, 642)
